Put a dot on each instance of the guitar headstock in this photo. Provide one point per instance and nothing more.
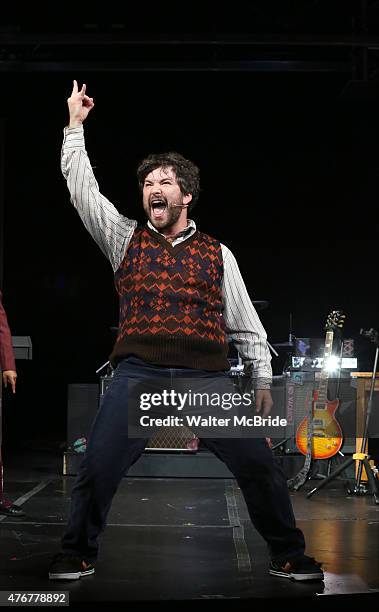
(335, 320)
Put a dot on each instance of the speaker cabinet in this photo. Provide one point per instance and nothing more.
(83, 403)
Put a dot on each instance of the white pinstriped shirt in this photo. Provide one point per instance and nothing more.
(112, 232)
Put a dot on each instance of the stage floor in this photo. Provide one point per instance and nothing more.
(184, 539)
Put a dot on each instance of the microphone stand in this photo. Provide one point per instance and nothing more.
(362, 457)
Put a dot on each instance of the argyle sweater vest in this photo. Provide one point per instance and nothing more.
(171, 302)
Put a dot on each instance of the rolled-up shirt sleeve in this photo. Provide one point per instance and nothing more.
(243, 325)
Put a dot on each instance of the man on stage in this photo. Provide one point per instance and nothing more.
(181, 296)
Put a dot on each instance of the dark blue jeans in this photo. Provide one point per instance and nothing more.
(110, 453)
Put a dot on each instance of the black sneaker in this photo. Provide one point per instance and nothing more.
(298, 568)
(67, 567)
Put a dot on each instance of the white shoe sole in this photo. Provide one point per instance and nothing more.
(70, 575)
(315, 576)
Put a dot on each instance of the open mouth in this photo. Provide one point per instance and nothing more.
(158, 207)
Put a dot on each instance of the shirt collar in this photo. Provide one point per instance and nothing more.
(190, 229)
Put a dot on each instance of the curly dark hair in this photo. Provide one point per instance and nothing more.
(186, 172)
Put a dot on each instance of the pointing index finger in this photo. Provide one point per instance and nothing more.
(75, 87)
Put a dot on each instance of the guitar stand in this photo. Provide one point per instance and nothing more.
(362, 457)
(330, 461)
(313, 474)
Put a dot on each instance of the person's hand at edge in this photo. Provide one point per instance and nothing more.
(10, 376)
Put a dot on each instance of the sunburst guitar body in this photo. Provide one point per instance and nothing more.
(327, 434)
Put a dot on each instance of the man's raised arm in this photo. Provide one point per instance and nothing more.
(110, 230)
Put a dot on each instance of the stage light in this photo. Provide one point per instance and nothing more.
(332, 364)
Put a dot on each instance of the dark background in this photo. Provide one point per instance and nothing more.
(285, 134)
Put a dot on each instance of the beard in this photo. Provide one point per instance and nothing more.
(163, 218)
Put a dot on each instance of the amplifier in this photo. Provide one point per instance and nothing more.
(82, 405)
(166, 439)
(173, 438)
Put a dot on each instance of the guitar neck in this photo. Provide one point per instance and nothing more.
(324, 375)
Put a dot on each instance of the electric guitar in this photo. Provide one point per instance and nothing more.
(322, 438)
